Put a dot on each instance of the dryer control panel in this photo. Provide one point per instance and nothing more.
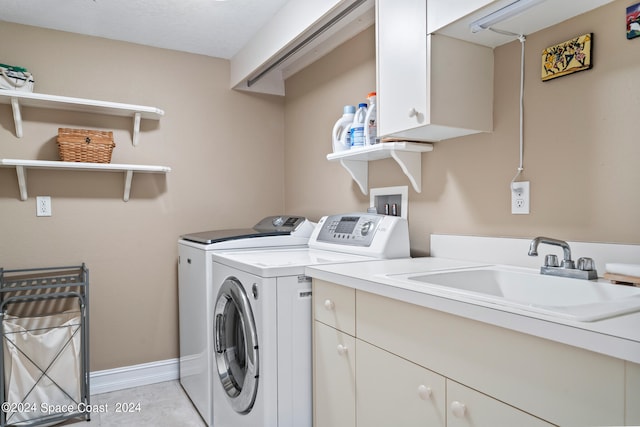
(380, 236)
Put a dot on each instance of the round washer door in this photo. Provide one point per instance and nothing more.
(236, 342)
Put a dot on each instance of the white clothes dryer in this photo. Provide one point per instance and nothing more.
(196, 298)
(262, 318)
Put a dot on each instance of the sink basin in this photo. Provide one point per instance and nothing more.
(529, 290)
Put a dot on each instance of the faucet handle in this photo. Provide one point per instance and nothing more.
(551, 260)
(586, 264)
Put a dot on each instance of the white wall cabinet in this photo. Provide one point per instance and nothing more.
(430, 87)
(426, 367)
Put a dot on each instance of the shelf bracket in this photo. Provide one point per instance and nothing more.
(22, 182)
(17, 116)
(411, 165)
(136, 128)
(359, 171)
(128, 177)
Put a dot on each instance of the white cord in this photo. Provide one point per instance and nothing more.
(522, 39)
(521, 164)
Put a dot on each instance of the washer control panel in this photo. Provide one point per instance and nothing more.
(280, 223)
(351, 229)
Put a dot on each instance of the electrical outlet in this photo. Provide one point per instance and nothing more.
(43, 206)
(520, 197)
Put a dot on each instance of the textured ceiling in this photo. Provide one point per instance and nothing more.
(208, 27)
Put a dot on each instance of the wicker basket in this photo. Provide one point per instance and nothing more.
(83, 145)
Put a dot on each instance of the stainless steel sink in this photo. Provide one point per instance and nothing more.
(528, 290)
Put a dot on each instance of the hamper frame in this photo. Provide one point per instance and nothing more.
(44, 292)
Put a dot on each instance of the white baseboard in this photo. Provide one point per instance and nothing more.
(134, 376)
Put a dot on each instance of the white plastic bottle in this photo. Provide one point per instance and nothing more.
(341, 135)
(357, 129)
(371, 121)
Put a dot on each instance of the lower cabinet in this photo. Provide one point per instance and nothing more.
(383, 362)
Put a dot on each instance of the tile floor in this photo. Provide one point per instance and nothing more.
(162, 404)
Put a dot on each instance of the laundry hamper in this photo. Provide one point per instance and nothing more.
(44, 377)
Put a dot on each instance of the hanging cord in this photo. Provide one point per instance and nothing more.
(522, 39)
(521, 164)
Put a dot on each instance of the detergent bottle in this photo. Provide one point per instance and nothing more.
(357, 129)
(342, 129)
(371, 121)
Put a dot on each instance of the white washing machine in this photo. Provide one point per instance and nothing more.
(262, 318)
(196, 297)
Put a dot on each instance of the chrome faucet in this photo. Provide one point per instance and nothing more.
(585, 270)
(567, 262)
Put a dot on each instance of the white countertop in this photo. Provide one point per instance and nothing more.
(617, 336)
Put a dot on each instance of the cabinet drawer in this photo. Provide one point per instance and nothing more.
(561, 384)
(392, 391)
(335, 306)
(334, 387)
(468, 408)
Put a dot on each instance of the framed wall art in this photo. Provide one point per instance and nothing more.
(567, 57)
(633, 21)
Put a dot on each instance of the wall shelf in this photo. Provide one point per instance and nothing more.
(406, 154)
(22, 166)
(28, 99)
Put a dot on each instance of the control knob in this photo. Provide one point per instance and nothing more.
(366, 228)
(277, 221)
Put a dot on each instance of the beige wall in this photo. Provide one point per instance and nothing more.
(225, 149)
(231, 166)
(581, 145)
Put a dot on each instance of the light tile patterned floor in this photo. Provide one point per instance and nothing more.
(162, 404)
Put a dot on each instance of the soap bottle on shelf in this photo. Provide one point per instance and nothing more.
(341, 136)
(371, 121)
(358, 127)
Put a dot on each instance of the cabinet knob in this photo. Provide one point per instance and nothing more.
(342, 349)
(424, 392)
(459, 409)
(413, 112)
(328, 304)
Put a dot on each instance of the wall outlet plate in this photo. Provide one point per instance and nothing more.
(520, 203)
(43, 206)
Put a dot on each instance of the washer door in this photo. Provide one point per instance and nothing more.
(236, 343)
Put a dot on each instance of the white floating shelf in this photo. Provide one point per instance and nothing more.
(406, 154)
(40, 100)
(22, 166)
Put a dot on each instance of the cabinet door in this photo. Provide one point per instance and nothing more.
(401, 39)
(468, 408)
(392, 391)
(334, 388)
